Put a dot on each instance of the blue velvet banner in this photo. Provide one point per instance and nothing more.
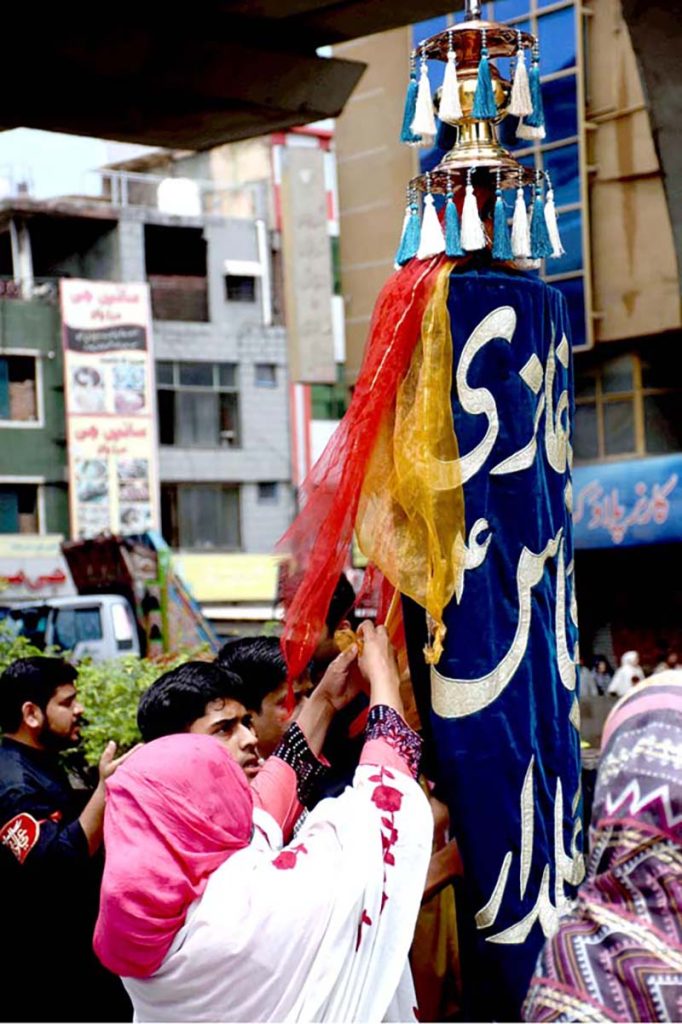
(505, 710)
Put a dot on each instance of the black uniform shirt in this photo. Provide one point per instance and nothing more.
(49, 894)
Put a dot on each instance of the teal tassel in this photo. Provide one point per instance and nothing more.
(537, 118)
(502, 249)
(453, 243)
(406, 134)
(409, 243)
(484, 100)
(540, 244)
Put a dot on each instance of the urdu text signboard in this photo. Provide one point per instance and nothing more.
(110, 407)
(621, 504)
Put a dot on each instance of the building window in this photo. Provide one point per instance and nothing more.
(240, 288)
(201, 517)
(268, 493)
(19, 508)
(198, 404)
(627, 407)
(330, 401)
(265, 375)
(18, 390)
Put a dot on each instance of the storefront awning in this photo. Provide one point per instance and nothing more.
(622, 504)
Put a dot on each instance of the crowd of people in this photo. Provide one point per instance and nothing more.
(247, 879)
(601, 680)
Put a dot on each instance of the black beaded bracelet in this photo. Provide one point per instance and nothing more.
(385, 723)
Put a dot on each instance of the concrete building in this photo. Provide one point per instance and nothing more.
(620, 278)
(206, 232)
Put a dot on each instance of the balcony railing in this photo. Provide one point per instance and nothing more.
(246, 201)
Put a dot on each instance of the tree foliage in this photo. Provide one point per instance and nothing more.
(109, 691)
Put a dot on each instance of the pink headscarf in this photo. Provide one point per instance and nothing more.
(176, 810)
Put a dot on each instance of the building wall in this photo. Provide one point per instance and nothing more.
(38, 452)
(636, 277)
(234, 333)
(373, 172)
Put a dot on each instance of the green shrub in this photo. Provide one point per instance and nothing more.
(109, 691)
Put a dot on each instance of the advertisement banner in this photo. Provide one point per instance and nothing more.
(110, 407)
(621, 504)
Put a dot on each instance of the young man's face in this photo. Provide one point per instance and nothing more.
(61, 728)
(229, 721)
(273, 719)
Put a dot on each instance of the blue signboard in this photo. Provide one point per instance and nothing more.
(620, 504)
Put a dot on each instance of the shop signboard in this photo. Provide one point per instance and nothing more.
(110, 408)
(622, 504)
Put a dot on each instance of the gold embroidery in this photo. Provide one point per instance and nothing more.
(556, 433)
(527, 827)
(567, 669)
(524, 457)
(487, 915)
(562, 352)
(532, 374)
(471, 555)
(574, 714)
(456, 698)
(501, 323)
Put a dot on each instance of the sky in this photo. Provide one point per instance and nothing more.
(55, 164)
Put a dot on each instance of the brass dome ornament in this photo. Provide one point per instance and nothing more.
(473, 99)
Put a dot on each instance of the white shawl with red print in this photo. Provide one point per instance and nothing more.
(316, 931)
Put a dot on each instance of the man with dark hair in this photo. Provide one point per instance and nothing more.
(50, 835)
(259, 663)
(201, 697)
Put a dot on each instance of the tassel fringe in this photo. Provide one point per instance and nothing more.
(521, 104)
(406, 133)
(485, 107)
(453, 238)
(540, 245)
(431, 241)
(552, 226)
(424, 121)
(520, 237)
(450, 105)
(409, 242)
(473, 235)
(536, 119)
(502, 248)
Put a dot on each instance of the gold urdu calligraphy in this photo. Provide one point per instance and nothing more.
(501, 323)
(568, 868)
(456, 698)
(470, 556)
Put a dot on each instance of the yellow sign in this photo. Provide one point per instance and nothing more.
(228, 578)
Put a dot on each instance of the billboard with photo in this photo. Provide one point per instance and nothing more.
(110, 408)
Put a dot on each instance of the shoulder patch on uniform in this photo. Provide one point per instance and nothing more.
(20, 835)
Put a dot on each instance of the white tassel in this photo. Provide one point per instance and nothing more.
(424, 122)
(524, 131)
(431, 239)
(473, 235)
(552, 226)
(450, 106)
(521, 103)
(520, 235)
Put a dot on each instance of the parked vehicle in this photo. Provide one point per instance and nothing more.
(130, 600)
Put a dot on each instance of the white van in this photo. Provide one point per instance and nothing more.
(99, 627)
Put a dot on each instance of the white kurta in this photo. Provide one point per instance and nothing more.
(317, 931)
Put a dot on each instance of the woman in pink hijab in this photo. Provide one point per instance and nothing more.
(208, 916)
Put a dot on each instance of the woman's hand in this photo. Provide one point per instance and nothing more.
(378, 665)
